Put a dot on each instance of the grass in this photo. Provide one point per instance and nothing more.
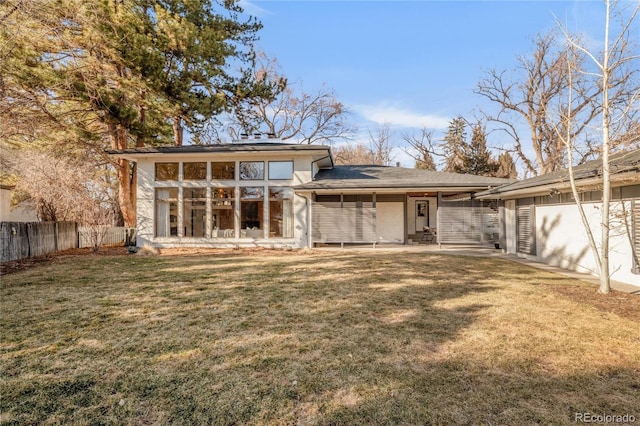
(308, 338)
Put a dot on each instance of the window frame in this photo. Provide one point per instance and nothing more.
(241, 171)
(280, 162)
(192, 179)
(213, 169)
(157, 165)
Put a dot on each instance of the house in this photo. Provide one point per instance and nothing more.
(540, 219)
(273, 194)
(23, 212)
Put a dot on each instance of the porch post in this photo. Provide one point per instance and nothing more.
(406, 220)
(439, 231)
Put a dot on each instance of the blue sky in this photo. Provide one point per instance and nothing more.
(408, 63)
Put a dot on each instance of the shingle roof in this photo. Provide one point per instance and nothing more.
(620, 163)
(366, 177)
(225, 147)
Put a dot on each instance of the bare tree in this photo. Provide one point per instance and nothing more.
(292, 114)
(64, 188)
(421, 149)
(616, 104)
(353, 154)
(380, 145)
(506, 167)
(541, 89)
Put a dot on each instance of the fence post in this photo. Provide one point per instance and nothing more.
(26, 231)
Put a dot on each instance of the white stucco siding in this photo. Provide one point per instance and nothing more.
(5, 204)
(23, 212)
(561, 240)
(146, 185)
(144, 207)
(302, 170)
(510, 226)
(300, 221)
(390, 222)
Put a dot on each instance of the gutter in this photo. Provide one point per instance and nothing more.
(545, 189)
(320, 159)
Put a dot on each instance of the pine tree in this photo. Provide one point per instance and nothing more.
(116, 72)
(476, 158)
(454, 143)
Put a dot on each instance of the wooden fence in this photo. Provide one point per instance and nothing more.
(105, 235)
(19, 240)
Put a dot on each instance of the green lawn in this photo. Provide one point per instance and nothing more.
(275, 337)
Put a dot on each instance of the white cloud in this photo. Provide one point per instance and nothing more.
(253, 9)
(398, 116)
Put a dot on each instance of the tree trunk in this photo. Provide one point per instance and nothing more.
(142, 115)
(178, 130)
(118, 139)
(125, 193)
(605, 280)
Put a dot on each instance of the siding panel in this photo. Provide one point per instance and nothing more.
(349, 222)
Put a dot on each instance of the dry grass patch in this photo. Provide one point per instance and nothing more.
(271, 337)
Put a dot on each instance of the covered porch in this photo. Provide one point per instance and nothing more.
(395, 205)
(402, 219)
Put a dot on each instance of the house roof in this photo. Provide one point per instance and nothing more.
(322, 151)
(223, 147)
(373, 177)
(624, 163)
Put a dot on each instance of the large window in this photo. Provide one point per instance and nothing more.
(166, 212)
(281, 212)
(223, 170)
(222, 212)
(195, 171)
(280, 170)
(166, 171)
(251, 170)
(251, 212)
(207, 199)
(195, 212)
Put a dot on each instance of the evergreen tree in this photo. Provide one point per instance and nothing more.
(476, 158)
(454, 143)
(112, 73)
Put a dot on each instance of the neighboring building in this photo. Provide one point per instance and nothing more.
(541, 221)
(20, 213)
(274, 194)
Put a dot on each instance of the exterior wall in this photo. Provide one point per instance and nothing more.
(5, 204)
(302, 168)
(561, 239)
(510, 225)
(20, 213)
(390, 227)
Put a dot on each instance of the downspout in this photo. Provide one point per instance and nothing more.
(439, 201)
